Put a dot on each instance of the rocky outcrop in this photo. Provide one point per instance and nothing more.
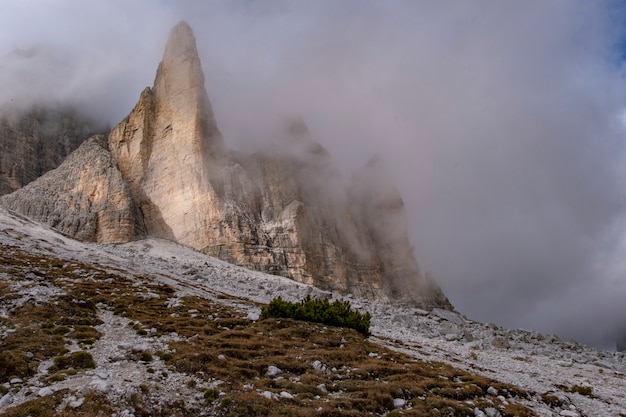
(34, 141)
(85, 198)
(282, 211)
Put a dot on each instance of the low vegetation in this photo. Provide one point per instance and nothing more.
(337, 313)
(94, 405)
(315, 362)
(583, 390)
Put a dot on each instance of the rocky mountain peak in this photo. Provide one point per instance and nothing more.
(179, 89)
(282, 211)
(181, 44)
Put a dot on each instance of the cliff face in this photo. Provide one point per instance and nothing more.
(166, 173)
(35, 141)
(86, 197)
(163, 146)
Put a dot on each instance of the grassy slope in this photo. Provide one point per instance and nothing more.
(219, 343)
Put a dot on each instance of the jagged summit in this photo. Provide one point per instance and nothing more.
(179, 87)
(164, 145)
(181, 44)
(284, 212)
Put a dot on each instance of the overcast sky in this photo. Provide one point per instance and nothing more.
(503, 122)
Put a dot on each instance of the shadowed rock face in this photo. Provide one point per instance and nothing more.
(280, 211)
(35, 141)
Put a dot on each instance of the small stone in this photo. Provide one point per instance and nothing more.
(285, 394)
(6, 400)
(478, 413)
(272, 370)
(100, 385)
(492, 412)
(30, 355)
(45, 391)
(569, 413)
(562, 397)
(500, 343)
(267, 394)
(102, 374)
(222, 357)
(398, 403)
(141, 347)
(16, 381)
(77, 403)
(467, 336)
(492, 391)
(322, 388)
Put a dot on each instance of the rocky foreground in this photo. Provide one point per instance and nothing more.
(153, 328)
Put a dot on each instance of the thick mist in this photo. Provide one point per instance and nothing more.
(502, 123)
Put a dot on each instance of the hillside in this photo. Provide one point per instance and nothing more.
(153, 328)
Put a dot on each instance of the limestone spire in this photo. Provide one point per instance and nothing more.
(179, 88)
(166, 145)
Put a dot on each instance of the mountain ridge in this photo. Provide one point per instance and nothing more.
(274, 212)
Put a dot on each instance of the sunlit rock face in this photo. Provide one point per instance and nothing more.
(86, 197)
(163, 145)
(284, 210)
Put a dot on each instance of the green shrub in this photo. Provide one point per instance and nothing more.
(211, 395)
(337, 313)
(582, 390)
(76, 360)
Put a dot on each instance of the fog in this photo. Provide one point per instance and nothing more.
(501, 122)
